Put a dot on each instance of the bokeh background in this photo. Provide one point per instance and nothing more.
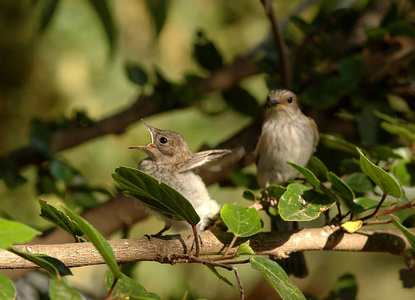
(74, 66)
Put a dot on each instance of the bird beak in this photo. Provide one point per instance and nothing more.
(151, 145)
(272, 103)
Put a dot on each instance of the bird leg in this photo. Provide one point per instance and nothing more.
(158, 234)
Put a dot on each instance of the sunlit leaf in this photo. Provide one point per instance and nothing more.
(302, 203)
(7, 291)
(58, 290)
(242, 221)
(352, 226)
(408, 234)
(12, 232)
(245, 249)
(275, 191)
(156, 195)
(277, 277)
(59, 218)
(99, 242)
(379, 176)
(127, 287)
(340, 186)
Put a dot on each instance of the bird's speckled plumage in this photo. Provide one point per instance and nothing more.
(172, 162)
(287, 135)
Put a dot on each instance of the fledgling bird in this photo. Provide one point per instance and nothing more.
(171, 161)
(287, 136)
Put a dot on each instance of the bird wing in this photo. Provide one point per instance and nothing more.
(206, 158)
(316, 135)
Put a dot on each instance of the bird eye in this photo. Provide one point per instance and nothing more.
(163, 140)
(290, 99)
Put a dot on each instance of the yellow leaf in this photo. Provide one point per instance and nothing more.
(352, 226)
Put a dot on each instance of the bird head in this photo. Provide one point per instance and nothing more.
(281, 99)
(165, 146)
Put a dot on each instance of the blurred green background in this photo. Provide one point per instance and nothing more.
(73, 65)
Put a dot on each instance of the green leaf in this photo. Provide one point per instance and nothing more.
(59, 218)
(408, 234)
(340, 186)
(12, 232)
(250, 195)
(51, 264)
(242, 101)
(317, 167)
(362, 204)
(7, 291)
(245, 249)
(379, 176)
(277, 277)
(319, 186)
(344, 288)
(275, 191)
(404, 172)
(127, 287)
(104, 13)
(400, 131)
(156, 195)
(58, 290)
(219, 275)
(99, 242)
(338, 143)
(206, 53)
(302, 203)
(242, 221)
(359, 182)
(137, 74)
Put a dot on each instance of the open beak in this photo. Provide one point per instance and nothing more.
(151, 145)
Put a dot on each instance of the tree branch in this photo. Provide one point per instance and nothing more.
(268, 243)
(280, 44)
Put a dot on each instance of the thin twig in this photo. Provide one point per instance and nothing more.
(280, 44)
(377, 208)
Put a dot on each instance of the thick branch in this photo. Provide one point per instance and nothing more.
(269, 243)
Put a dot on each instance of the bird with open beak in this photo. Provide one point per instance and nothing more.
(287, 136)
(171, 161)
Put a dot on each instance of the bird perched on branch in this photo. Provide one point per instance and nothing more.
(287, 136)
(171, 161)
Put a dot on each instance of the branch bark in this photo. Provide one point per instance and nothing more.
(214, 243)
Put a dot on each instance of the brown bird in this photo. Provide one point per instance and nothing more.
(171, 161)
(287, 136)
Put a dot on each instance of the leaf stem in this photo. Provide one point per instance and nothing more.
(108, 296)
(197, 243)
(230, 245)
